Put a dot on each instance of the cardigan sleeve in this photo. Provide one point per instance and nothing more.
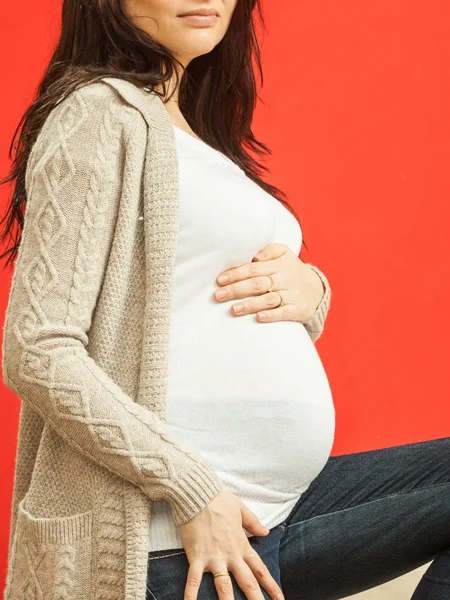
(315, 324)
(74, 183)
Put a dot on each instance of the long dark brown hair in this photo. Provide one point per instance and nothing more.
(217, 92)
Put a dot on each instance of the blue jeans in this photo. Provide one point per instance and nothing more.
(367, 518)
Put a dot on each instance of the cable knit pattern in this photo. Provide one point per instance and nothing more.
(104, 166)
(34, 556)
(65, 573)
(94, 221)
(111, 544)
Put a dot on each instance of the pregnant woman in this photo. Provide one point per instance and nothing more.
(176, 422)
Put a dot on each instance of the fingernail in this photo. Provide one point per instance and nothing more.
(279, 597)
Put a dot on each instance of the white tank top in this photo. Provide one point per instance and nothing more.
(252, 398)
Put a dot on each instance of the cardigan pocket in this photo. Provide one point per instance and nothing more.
(53, 556)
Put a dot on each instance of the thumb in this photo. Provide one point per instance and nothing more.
(251, 522)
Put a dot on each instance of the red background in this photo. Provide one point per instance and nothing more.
(356, 111)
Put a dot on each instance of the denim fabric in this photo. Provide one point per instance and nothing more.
(367, 518)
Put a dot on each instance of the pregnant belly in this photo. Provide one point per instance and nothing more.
(255, 403)
(278, 444)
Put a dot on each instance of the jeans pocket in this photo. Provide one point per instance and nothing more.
(167, 574)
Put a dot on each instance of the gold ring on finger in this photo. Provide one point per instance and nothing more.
(271, 284)
(221, 574)
(281, 300)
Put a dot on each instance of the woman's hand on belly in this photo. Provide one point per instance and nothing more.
(294, 282)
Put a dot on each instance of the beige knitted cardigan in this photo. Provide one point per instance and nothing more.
(85, 347)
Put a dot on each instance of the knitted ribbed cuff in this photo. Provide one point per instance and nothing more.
(315, 324)
(192, 492)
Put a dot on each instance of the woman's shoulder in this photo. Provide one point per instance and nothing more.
(90, 106)
(142, 104)
(91, 112)
(106, 102)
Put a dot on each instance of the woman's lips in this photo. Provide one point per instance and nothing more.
(200, 19)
